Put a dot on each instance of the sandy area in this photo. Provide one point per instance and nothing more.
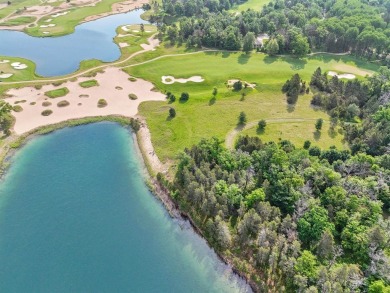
(344, 75)
(352, 69)
(114, 87)
(167, 79)
(119, 8)
(2, 5)
(231, 82)
(6, 75)
(123, 45)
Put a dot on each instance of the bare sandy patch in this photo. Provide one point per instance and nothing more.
(4, 61)
(342, 75)
(3, 5)
(123, 45)
(118, 102)
(18, 65)
(60, 14)
(6, 75)
(167, 79)
(352, 69)
(231, 82)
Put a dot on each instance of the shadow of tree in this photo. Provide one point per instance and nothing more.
(243, 58)
(296, 63)
(290, 108)
(270, 59)
(317, 135)
(332, 133)
(212, 101)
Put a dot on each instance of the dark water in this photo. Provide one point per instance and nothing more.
(76, 216)
(62, 55)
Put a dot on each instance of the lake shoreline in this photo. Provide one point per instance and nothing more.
(16, 142)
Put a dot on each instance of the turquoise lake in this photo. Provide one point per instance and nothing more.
(76, 216)
(62, 55)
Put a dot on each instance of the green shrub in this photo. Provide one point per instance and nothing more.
(46, 104)
(133, 96)
(17, 108)
(46, 112)
(102, 103)
(63, 103)
(132, 79)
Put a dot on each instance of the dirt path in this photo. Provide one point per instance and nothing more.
(232, 134)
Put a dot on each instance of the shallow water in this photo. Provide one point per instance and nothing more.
(62, 55)
(76, 216)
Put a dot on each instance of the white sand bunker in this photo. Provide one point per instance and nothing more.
(6, 75)
(4, 61)
(46, 33)
(48, 25)
(231, 82)
(60, 14)
(123, 45)
(49, 20)
(167, 79)
(18, 65)
(344, 75)
(125, 28)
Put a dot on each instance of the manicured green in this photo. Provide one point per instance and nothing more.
(57, 93)
(256, 5)
(89, 83)
(204, 116)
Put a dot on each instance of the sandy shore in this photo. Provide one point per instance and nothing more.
(114, 87)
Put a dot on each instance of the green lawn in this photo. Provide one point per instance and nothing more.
(203, 117)
(89, 83)
(57, 93)
(18, 21)
(251, 4)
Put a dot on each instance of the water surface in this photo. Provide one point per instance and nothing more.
(62, 55)
(76, 216)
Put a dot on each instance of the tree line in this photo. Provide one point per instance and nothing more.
(296, 27)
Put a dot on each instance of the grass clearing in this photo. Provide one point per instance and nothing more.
(203, 116)
(53, 94)
(89, 83)
(18, 21)
(256, 5)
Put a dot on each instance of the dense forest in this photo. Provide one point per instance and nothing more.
(357, 26)
(292, 219)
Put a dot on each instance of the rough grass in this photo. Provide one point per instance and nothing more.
(57, 93)
(18, 21)
(89, 83)
(203, 116)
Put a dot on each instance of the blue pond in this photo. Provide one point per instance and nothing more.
(62, 55)
(76, 216)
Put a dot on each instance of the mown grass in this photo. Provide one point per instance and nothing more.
(89, 83)
(53, 94)
(203, 116)
(256, 5)
(18, 21)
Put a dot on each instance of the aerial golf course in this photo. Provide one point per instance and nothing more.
(195, 145)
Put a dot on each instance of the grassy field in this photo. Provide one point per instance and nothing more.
(251, 4)
(53, 94)
(202, 116)
(89, 83)
(18, 21)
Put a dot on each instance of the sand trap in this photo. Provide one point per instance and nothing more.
(18, 65)
(126, 35)
(135, 31)
(48, 25)
(4, 61)
(123, 45)
(6, 75)
(344, 75)
(45, 33)
(118, 102)
(59, 14)
(125, 28)
(167, 79)
(231, 82)
(3, 5)
(49, 20)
